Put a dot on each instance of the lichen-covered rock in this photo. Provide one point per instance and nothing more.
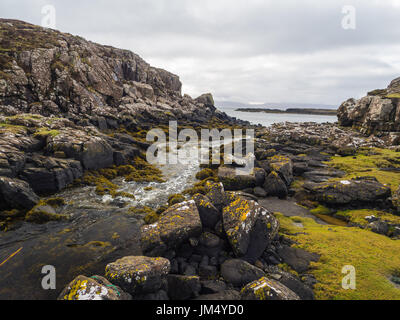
(267, 289)
(378, 112)
(183, 287)
(239, 272)
(283, 166)
(138, 274)
(15, 193)
(274, 186)
(209, 214)
(232, 180)
(249, 227)
(176, 225)
(366, 190)
(93, 288)
(216, 194)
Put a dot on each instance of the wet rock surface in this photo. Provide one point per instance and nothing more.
(84, 109)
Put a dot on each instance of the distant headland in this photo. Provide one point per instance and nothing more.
(326, 112)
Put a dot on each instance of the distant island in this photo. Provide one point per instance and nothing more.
(325, 112)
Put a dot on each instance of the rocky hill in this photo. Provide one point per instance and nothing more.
(52, 73)
(377, 113)
(68, 105)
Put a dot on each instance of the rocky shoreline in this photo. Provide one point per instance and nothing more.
(73, 122)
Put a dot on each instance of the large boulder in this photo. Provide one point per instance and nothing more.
(15, 193)
(358, 191)
(378, 112)
(138, 274)
(88, 147)
(274, 186)
(206, 98)
(232, 180)
(238, 272)
(93, 288)
(176, 225)
(249, 227)
(48, 175)
(267, 289)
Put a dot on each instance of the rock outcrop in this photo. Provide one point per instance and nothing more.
(364, 191)
(377, 113)
(138, 274)
(68, 104)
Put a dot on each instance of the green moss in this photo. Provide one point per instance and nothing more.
(40, 216)
(139, 171)
(45, 132)
(175, 198)
(102, 184)
(192, 191)
(150, 216)
(393, 96)
(204, 174)
(369, 162)
(320, 210)
(12, 128)
(374, 257)
(54, 202)
(358, 216)
(36, 214)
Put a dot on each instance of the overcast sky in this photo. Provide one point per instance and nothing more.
(244, 50)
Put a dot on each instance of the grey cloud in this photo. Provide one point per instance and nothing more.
(244, 50)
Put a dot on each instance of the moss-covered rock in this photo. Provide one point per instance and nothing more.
(249, 227)
(43, 213)
(138, 274)
(175, 198)
(204, 174)
(176, 225)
